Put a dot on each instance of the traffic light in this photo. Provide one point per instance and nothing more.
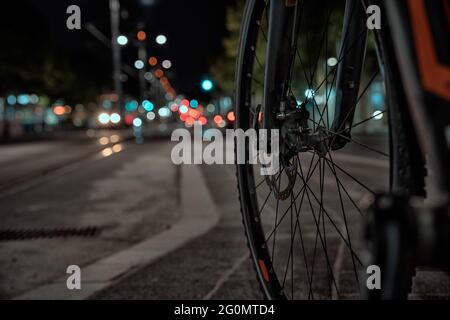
(207, 85)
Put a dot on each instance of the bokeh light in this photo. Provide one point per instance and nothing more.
(103, 118)
(152, 61)
(141, 35)
(122, 40)
(148, 105)
(137, 122)
(115, 118)
(161, 39)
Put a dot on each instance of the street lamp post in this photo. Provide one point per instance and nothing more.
(114, 7)
(142, 53)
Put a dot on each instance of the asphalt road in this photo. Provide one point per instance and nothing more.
(217, 265)
(131, 194)
(118, 188)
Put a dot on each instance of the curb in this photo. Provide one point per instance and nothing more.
(198, 216)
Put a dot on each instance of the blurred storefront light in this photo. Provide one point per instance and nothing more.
(59, 110)
(23, 99)
(137, 122)
(115, 118)
(164, 112)
(34, 99)
(183, 109)
(11, 99)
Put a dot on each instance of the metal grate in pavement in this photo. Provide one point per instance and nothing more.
(30, 234)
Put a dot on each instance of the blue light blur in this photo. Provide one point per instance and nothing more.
(131, 106)
(207, 85)
(137, 122)
(194, 103)
(12, 100)
(23, 99)
(148, 106)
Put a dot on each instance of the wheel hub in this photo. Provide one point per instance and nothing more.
(296, 134)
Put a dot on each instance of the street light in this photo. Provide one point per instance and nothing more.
(122, 40)
(167, 64)
(137, 122)
(139, 64)
(161, 39)
(207, 85)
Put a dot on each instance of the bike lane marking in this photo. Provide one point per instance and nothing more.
(226, 276)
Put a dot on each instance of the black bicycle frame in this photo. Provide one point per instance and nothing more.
(430, 113)
(351, 61)
(282, 48)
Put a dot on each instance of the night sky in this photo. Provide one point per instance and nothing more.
(194, 29)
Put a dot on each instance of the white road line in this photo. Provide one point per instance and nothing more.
(226, 275)
(337, 266)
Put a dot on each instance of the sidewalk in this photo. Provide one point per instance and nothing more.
(127, 197)
(198, 215)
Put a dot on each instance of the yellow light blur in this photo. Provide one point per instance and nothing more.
(103, 141)
(117, 148)
(107, 152)
(59, 110)
(115, 138)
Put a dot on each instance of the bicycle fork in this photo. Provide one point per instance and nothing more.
(285, 18)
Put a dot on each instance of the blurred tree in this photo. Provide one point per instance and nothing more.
(317, 24)
(222, 67)
(30, 62)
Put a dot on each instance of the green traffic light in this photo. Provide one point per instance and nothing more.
(207, 85)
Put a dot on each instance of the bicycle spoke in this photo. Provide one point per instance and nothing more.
(319, 234)
(345, 220)
(353, 178)
(287, 210)
(334, 226)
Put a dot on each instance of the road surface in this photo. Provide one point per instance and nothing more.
(130, 194)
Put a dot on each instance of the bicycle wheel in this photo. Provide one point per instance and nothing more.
(304, 224)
